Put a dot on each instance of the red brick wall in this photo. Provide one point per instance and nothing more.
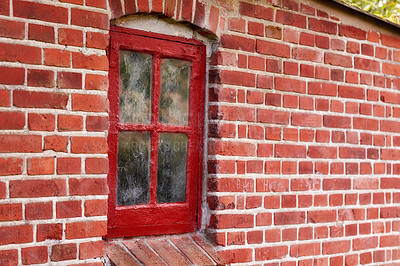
(303, 123)
(53, 117)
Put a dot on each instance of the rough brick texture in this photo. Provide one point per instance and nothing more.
(303, 131)
(41, 76)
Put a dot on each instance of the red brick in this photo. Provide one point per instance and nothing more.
(96, 166)
(70, 123)
(237, 24)
(96, 123)
(86, 18)
(85, 229)
(16, 234)
(212, 20)
(327, 89)
(237, 78)
(88, 186)
(366, 64)
(390, 41)
(62, 252)
(55, 57)
(290, 151)
(322, 152)
(41, 33)
(254, 28)
(389, 241)
(12, 120)
(12, 76)
(274, 117)
(199, 15)
(336, 184)
(89, 250)
(8, 257)
(96, 40)
(286, 218)
(20, 53)
(71, 37)
(338, 60)
(12, 29)
(335, 247)
(68, 209)
(355, 153)
(292, 85)
(38, 11)
(256, 11)
(306, 120)
(10, 166)
(238, 43)
(10, 212)
(41, 122)
(273, 32)
(34, 255)
(307, 54)
(39, 211)
(337, 121)
(186, 11)
(237, 255)
(95, 208)
(365, 123)
(325, 216)
(37, 188)
(90, 103)
(22, 143)
(256, 63)
(322, 26)
(305, 250)
(270, 253)
(391, 69)
(69, 80)
(389, 126)
(56, 143)
(40, 78)
(91, 62)
(231, 148)
(273, 48)
(304, 184)
(40, 166)
(40, 99)
(48, 231)
(68, 166)
(115, 6)
(307, 39)
(352, 32)
(365, 243)
(351, 92)
(96, 82)
(291, 19)
(265, 82)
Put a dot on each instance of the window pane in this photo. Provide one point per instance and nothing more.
(133, 186)
(135, 82)
(171, 171)
(174, 98)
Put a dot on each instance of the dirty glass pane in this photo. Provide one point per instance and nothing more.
(171, 171)
(133, 185)
(135, 81)
(174, 98)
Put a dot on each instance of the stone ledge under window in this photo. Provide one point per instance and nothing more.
(184, 249)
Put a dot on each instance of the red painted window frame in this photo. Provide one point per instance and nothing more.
(153, 218)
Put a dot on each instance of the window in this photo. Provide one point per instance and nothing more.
(156, 97)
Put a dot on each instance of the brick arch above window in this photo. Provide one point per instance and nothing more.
(199, 16)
